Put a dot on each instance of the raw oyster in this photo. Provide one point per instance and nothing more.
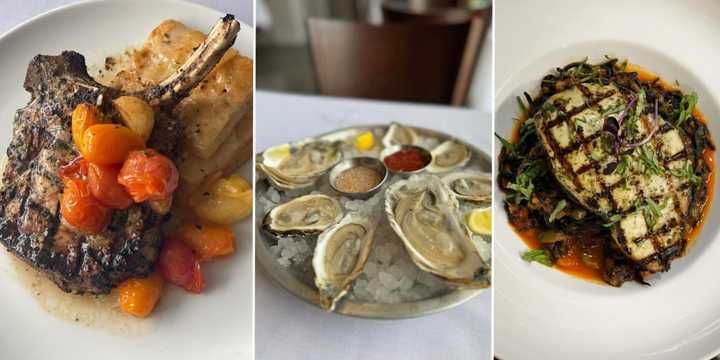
(340, 256)
(298, 166)
(470, 186)
(305, 215)
(425, 215)
(399, 135)
(449, 155)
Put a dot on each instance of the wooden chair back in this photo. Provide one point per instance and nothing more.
(435, 11)
(404, 62)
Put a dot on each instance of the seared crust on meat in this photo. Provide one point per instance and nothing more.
(31, 225)
(30, 222)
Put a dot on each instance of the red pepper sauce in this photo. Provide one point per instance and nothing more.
(405, 160)
(573, 263)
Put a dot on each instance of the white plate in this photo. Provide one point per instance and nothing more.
(541, 313)
(214, 325)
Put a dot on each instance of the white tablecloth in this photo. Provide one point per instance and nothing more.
(287, 327)
(13, 12)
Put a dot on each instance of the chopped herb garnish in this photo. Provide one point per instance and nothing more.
(650, 163)
(523, 184)
(687, 105)
(686, 172)
(541, 256)
(507, 146)
(527, 129)
(558, 208)
(650, 210)
(613, 110)
(623, 165)
(548, 108)
(631, 123)
(612, 220)
(521, 105)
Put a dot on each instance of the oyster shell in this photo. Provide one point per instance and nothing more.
(298, 166)
(305, 215)
(399, 135)
(470, 186)
(340, 256)
(425, 215)
(449, 155)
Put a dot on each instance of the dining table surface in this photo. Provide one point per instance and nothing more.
(288, 328)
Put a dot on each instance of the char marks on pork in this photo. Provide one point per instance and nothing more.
(31, 226)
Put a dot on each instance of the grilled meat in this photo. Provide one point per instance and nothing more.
(31, 226)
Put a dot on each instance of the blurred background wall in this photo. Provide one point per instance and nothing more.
(284, 56)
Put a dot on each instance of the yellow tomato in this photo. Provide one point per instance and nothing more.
(225, 201)
(83, 117)
(138, 296)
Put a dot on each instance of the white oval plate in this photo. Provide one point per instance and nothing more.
(214, 325)
(543, 313)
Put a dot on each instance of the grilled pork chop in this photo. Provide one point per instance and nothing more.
(617, 157)
(31, 226)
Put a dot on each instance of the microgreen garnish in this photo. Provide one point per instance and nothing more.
(527, 129)
(612, 110)
(631, 124)
(548, 108)
(541, 256)
(521, 105)
(650, 210)
(623, 165)
(556, 211)
(687, 105)
(687, 172)
(523, 184)
(649, 161)
(612, 220)
(507, 146)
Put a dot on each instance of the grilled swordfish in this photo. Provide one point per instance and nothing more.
(31, 225)
(617, 157)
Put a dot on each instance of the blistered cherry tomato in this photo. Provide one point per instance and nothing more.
(80, 208)
(179, 266)
(208, 241)
(138, 296)
(104, 186)
(84, 116)
(109, 144)
(148, 175)
(75, 169)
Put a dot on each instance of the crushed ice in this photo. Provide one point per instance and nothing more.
(390, 276)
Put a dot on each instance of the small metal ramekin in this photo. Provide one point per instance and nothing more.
(368, 162)
(395, 148)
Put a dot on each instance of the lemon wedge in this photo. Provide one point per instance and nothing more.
(480, 221)
(276, 154)
(365, 141)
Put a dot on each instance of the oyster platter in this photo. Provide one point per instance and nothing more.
(386, 221)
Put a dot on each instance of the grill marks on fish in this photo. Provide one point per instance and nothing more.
(570, 125)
